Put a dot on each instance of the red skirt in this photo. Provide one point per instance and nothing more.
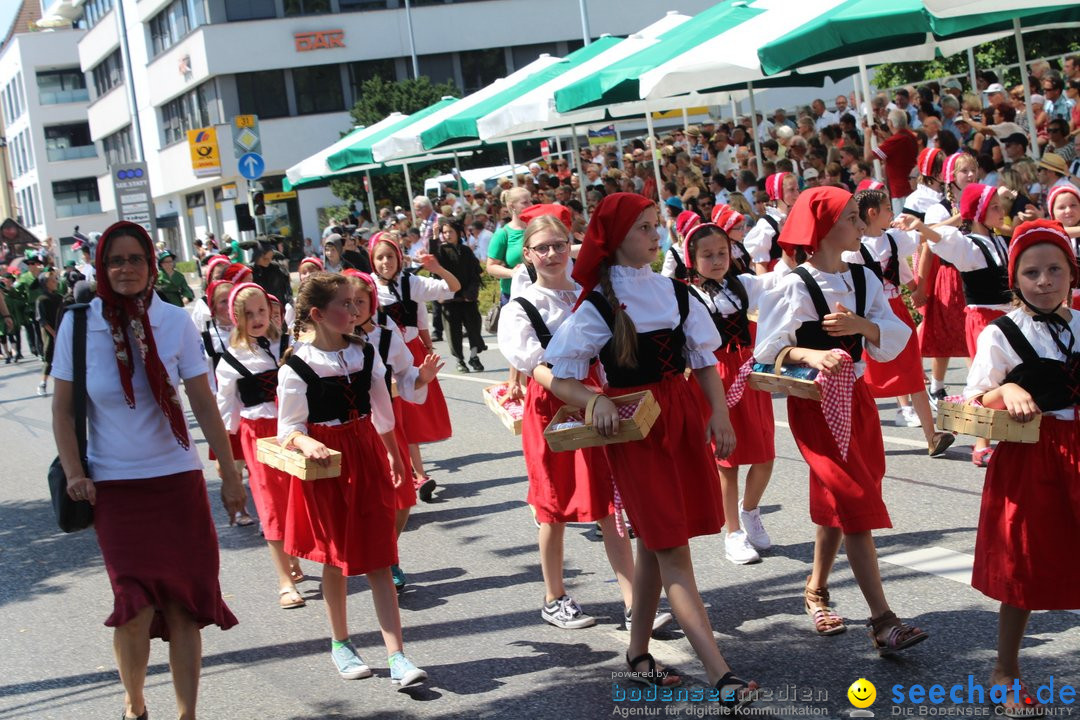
(943, 314)
(975, 321)
(1029, 525)
(159, 544)
(269, 486)
(752, 417)
(237, 447)
(571, 486)
(903, 375)
(843, 493)
(668, 482)
(347, 521)
(429, 421)
(404, 494)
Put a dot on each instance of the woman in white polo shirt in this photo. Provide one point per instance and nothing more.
(151, 511)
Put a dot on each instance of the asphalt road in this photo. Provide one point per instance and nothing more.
(472, 612)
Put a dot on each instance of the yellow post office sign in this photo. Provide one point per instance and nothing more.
(205, 155)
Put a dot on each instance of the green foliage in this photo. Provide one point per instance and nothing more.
(379, 98)
(988, 56)
(186, 266)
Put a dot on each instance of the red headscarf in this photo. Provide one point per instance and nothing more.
(237, 272)
(726, 217)
(236, 291)
(697, 230)
(378, 238)
(925, 161)
(812, 217)
(975, 201)
(314, 261)
(610, 223)
(215, 261)
(559, 212)
(685, 222)
(870, 184)
(1036, 232)
(774, 186)
(1056, 192)
(125, 313)
(369, 282)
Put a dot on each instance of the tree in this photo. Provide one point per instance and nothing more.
(379, 98)
(988, 56)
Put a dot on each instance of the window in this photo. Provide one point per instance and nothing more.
(69, 142)
(76, 197)
(262, 94)
(195, 200)
(438, 67)
(170, 25)
(118, 147)
(62, 86)
(306, 7)
(108, 73)
(525, 54)
(249, 10)
(195, 109)
(480, 68)
(359, 72)
(318, 89)
(35, 205)
(94, 10)
(29, 149)
(16, 157)
(350, 5)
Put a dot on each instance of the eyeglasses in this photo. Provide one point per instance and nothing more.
(559, 248)
(116, 262)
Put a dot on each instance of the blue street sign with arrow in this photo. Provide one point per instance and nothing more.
(251, 165)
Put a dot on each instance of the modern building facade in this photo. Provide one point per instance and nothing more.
(296, 64)
(52, 163)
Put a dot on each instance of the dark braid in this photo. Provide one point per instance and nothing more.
(624, 334)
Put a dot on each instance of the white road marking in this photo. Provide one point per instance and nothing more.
(466, 378)
(886, 438)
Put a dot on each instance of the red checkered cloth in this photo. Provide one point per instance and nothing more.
(515, 409)
(837, 390)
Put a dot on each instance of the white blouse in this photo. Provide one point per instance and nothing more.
(936, 214)
(961, 251)
(670, 263)
(726, 302)
(292, 390)
(200, 313)
(421, 289)
(758, 241)
(517, 338)
(788, 306)
(880, 250)
(229, 403)
(922, 198)
(650, 301)
(995, 357)
(401, 363)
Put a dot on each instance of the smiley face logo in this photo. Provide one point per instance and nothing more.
(862, 693)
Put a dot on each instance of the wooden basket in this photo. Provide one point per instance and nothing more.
(637, 411)
(509, 413)
(293, 462)
(774, 381)
(982, 422)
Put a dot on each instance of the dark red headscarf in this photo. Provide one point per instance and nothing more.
(812, 217)
(559, 212)
(610, 223)
(124, 314)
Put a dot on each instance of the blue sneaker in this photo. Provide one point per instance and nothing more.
(348, 662)
(403, 672)
(399, 577)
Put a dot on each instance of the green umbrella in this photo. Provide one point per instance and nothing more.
(949, 18)
(360, 153)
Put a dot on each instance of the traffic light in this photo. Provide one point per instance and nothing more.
(258, 203)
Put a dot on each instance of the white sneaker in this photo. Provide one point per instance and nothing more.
(662, 618)
(738, 550)
(41, 389)
(906, 417)
(750, 522)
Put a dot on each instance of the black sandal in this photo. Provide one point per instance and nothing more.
(652, 677)
(737, 699)
(145, 715)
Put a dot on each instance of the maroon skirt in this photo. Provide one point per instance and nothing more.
(430, 420)
(903, 375)
(158, 540)
(943, 314)
(347, 521)
(843, 493)
(1029, 524)
(569, 486)
(237, 448)
(668, 482)
(269, 486)
(405, 493)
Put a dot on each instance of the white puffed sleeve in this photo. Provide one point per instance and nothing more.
(401, 365)
(758, 241)
(382, 408)
(955, 247)
(994, 358)
(670, 265)
(781, 312)
(757, 285)
(702, 337)
(423, 289)
(228, 396)
(292, 403)
(517, 339)
(577, 342)
(894, 332)
(518, 283)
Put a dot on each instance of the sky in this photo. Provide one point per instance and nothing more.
(8, 8)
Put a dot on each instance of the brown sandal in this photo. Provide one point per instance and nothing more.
(289, 598)
(900, 636)
(816, 602)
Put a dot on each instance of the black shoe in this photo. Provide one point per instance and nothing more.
(18, 357)
(425, 491)
(474, 363)
(462, 367)
(436, 338)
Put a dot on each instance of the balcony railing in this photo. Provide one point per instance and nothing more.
(64, 96)
(73, 209)
(77, 152)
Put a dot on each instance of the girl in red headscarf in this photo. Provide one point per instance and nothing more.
(675, 258)
(832, 315)
(981, 256)
(247, 400)
(402, 294)
(410, 383)
(1063, 205)
(761, 241)
(151, 512)
(646, 330)
(1028, 363)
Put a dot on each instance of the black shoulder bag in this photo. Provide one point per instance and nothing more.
(72, 516)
